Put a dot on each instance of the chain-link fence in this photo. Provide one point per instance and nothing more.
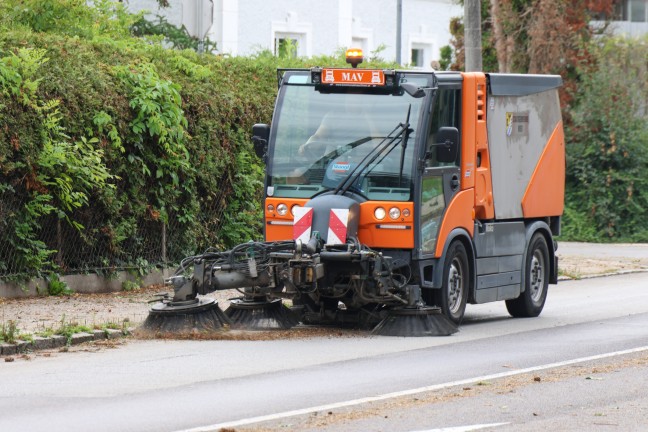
(104, 244)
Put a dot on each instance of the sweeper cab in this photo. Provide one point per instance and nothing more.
(392, 198)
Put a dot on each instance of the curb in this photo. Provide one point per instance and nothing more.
(57, 341)
(602, 275)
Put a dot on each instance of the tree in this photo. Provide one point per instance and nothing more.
(534, 36)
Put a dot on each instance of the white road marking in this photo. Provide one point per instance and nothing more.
(344, 404)
(465, 428)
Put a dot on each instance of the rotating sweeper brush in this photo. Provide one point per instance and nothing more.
(260, 313)
(415, 321)
(243, 267)
(198, 315)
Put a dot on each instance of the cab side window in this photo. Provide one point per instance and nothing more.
(446, 112)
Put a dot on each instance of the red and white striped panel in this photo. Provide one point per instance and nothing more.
(303, 223)
(338, 222)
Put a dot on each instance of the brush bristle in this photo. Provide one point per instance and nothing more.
(415, 322)
(260, 315)
(203, 318)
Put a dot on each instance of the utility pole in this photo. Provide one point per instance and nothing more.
(399, 29)
(472, 35)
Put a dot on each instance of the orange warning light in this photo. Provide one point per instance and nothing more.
(354, 56)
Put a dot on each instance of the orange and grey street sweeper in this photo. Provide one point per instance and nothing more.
(392, 198)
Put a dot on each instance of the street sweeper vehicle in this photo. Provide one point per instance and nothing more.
(392, 198)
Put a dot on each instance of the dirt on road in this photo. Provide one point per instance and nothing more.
(128, 309)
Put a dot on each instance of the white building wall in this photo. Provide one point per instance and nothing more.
(426, 26)
(173, 13)
(243, 27)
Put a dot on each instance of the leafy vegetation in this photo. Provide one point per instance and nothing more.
(110, 142)
(55, 286)
(9, 332)
(68, 329)
(176, 37)
(607, 178)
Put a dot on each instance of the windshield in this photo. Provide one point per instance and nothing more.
(322, 137)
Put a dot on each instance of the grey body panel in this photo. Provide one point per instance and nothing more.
(499, 249)
(499, 279)
(519, 128)
(322, 206)
(499, 264)
(505, 292)
(499, 238)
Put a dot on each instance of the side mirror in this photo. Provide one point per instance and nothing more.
(260, 136)
(447, 145)
(413, 90)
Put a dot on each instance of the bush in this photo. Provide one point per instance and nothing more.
(607, 152)
(115, 150)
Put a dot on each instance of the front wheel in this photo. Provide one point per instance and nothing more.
(452, 296)
(536, 281)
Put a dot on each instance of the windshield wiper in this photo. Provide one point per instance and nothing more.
(406, 133)
(383, 148)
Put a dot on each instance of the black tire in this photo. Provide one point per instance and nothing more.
(536, 281)
(452, 296)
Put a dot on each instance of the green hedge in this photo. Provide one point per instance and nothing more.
(118, 152)
(166, 135)
(607, 150)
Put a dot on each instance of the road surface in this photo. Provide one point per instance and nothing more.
(209, 385)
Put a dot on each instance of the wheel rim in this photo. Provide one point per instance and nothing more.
(455, 285)
(537, 275)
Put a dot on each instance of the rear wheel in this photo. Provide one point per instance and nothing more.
(452, 296)
(536, 281)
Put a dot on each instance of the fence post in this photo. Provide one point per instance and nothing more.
(59, 243)
(164, 246)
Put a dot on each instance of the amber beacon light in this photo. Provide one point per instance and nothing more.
(354, 56)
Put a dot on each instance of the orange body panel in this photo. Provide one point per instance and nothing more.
(476, 158)
(274, 231)
(386, 233)
(468, 130)
(545, 193)
(459, 214)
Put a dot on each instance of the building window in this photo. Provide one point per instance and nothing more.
(420, 54)
(637, 10)
(418, 57)
(288, 45)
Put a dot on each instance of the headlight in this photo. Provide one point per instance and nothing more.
(406, 212)
(292, 209)
(270, 208)
(394, 213)
(282, 209)
(379, 213)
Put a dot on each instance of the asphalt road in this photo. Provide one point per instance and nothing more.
(179, 385)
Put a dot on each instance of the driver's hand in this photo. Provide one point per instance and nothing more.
(301, 151)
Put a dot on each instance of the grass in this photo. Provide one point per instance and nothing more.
(68, 329)
(9, 332)
(570, 274)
